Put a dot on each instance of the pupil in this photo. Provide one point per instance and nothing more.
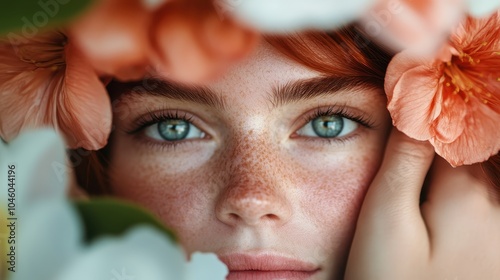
(173, 130)
(328, 126)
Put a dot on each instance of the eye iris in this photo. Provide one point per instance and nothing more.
(328, 126)
(172, 130)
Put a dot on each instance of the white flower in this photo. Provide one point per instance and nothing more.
(397, 24)
(142, 254)
(291, 15)
(481, 8)
(35, 155)
(38, 192)
(49, 238)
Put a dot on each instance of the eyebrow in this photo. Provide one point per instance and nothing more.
(157, 87)
(316, 87)
(279, 96)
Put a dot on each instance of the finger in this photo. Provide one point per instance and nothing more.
(455, 184)
(457, 189)
(390, 224)
(456, 197)
(461, 217)
(393, 196)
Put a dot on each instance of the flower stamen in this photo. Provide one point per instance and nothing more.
(467, 83)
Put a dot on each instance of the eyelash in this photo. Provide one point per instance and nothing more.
(156, 117)
(339, 110)
(153, 117)
(342, 111)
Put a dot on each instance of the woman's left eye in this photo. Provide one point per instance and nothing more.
(330, 126)
(173, 130)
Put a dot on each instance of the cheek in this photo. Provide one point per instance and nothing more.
(334, 190)
(171, 199)
(178, 190)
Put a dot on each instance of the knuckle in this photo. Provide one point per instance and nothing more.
(411, 150)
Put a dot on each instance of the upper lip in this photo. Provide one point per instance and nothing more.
(265, 262)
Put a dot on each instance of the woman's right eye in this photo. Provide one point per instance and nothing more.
(173, 130)
(328, 126)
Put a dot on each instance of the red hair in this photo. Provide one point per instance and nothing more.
(347, 52)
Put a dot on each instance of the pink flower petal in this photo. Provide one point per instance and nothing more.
(84, 109)
(41, 91)
(22, 92)
(401, 63)
(24, 103)
(449, 125)
(478, 141)
(411, 94)
(422, 24)
(113, 35)
(183, 57)
(457, 91)
(195, 45)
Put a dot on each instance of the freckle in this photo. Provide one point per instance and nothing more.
(255, 174)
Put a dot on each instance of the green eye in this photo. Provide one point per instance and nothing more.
(173, 130)
(329, 126)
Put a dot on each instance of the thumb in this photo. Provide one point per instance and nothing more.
(390, 225)
(394, 194)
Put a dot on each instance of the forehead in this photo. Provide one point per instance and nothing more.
(257, 75)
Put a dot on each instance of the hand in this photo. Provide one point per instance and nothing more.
(453, 234)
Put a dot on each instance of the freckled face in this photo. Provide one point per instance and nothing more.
(254, 176)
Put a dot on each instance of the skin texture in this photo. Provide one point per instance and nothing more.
(252, 184)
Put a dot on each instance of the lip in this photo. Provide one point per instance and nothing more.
(267, 267)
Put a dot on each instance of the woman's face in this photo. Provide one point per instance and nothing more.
(267, 167)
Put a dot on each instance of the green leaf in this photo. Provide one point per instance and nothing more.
(27, 17)
(104, 216)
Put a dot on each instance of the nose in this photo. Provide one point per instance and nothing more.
(253, 204)
(256, 192)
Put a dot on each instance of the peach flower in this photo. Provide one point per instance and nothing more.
(46, 82)
(423, 24)
(452, 100)
(184, 40)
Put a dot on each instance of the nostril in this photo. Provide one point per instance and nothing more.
(233, 216)
(271, 217)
